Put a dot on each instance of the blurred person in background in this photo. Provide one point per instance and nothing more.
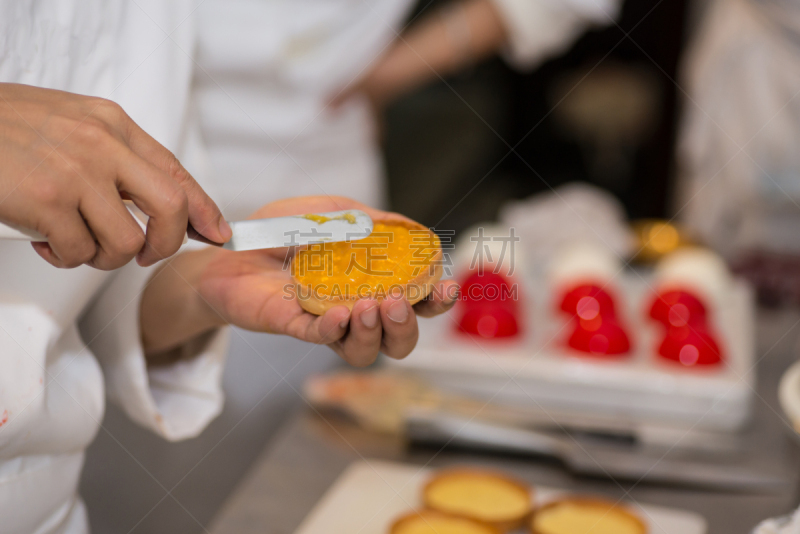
(739, 166)
(269, 71)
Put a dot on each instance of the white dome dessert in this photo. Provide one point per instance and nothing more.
(697, 269)
(583, 261)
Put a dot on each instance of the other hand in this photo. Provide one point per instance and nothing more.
(247, 289)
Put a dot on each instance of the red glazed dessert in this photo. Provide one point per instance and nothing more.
(677, 307)
(688, 337)
(690, 347)
(597, 331)
(580, 295)
(489, 307)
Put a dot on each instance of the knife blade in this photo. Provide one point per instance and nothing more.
(298, 230)
(276, 232)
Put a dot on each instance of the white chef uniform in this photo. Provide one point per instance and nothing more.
(52, 386)
(268, 68)
(740, 167)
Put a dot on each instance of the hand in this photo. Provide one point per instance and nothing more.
(440, 44)
(68, 163)
(247, 289)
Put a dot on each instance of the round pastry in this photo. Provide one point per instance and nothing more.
(432, 522)
(789, 396)
(399, 255)
(581, 516)
(480, 495)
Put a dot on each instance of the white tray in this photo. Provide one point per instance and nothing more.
(538, 372)
(371, 494)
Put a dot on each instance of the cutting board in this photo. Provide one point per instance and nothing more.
(371, 494)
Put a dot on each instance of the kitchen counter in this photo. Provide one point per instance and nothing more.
(312, 450)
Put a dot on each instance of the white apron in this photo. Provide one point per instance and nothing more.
(52, 387)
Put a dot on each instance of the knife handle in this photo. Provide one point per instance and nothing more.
(194, 235)
(21, 234)
(25, 234)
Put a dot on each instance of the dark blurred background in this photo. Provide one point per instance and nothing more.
(451, 165)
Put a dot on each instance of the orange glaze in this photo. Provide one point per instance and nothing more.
(392, 255)
(319, 219)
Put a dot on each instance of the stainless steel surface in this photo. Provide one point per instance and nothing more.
(299, 230)
(309, 453)
(622, 460)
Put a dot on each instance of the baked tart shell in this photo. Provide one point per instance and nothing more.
(401, 525)
(502, 524)
(414, 290)
(587, 502)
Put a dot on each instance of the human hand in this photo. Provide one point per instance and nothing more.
(248, 289)
(70, 160)
(441, 43)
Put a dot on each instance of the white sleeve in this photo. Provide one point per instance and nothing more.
(538, 29)
(176, 401)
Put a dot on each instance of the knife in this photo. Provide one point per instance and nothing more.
(276, 232)
(585, 458)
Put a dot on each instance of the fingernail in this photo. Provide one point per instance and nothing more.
(454, 298)
(369, 317)
(225, 229)
(140, 258)
(343, 324)
(398, 311)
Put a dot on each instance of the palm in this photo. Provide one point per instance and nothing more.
(254, 290)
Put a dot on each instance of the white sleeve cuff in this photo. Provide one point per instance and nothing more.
(176, 401)
(538, 29)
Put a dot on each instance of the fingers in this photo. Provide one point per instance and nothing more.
(119, 237)
(204, 215)
(322, 330)
(160, 198)
(441, 299)
(361, 345)
(69, 242)
(389, 327)
(400, 329)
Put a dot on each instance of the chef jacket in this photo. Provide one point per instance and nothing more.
(69, 338)
(267, 69)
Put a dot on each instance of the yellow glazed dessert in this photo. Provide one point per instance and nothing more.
(480, 495)
(399, 255)
(429, 522)
(583, 516)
